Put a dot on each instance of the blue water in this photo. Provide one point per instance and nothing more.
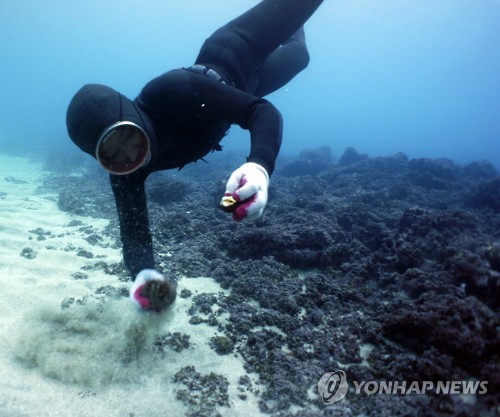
(420, 77)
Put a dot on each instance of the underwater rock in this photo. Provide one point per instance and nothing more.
(168, 191)
(86, 394)
(113, 292)
(323, 154)
(74, 223)
(14, 180)
(203, 395)
(67, 302)
(310, 162)
(492, 254)
(351, 156)
(475, 274)
(286, 376)
(203, 303)
(296, 245)
(185, 293)
(487, 195)
(177, 226)
(222, 345)
(441, 168)
(93, 238)
(194, 320)
(463, 329)
(383, 169)
(84, 253)
(28, 253)
(176, 341)
(66, 162)
(480, 170)
(79, 275)
(78, 195)
(439, 174)
(108, 269)
(41, 234)
(67, 202)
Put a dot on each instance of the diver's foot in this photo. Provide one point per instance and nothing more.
(152, 291)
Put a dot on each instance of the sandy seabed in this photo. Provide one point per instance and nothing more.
(92, 358)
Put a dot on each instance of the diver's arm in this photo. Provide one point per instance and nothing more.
(265, 126)
(130, 198)
(246, 192)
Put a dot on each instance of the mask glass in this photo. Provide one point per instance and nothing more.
(123, 148)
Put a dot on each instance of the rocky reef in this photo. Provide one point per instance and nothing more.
(387, 268)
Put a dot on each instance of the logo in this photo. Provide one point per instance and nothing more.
(332, 387)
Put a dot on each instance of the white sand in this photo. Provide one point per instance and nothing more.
(35, 330)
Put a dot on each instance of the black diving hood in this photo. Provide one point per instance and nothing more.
(96, 107)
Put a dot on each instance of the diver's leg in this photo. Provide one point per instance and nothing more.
(130, 198)
(271, 23)
(283, 64)
(240, 48)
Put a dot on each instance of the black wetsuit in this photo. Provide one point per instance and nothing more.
(188, 111)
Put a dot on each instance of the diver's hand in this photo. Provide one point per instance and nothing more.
(246, 192)
(152, 291)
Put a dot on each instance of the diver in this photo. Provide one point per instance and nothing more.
(182, 115)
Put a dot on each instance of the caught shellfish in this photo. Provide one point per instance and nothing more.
(228, 203)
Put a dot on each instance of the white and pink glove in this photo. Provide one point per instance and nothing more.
(152, 291)
(246, 192)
